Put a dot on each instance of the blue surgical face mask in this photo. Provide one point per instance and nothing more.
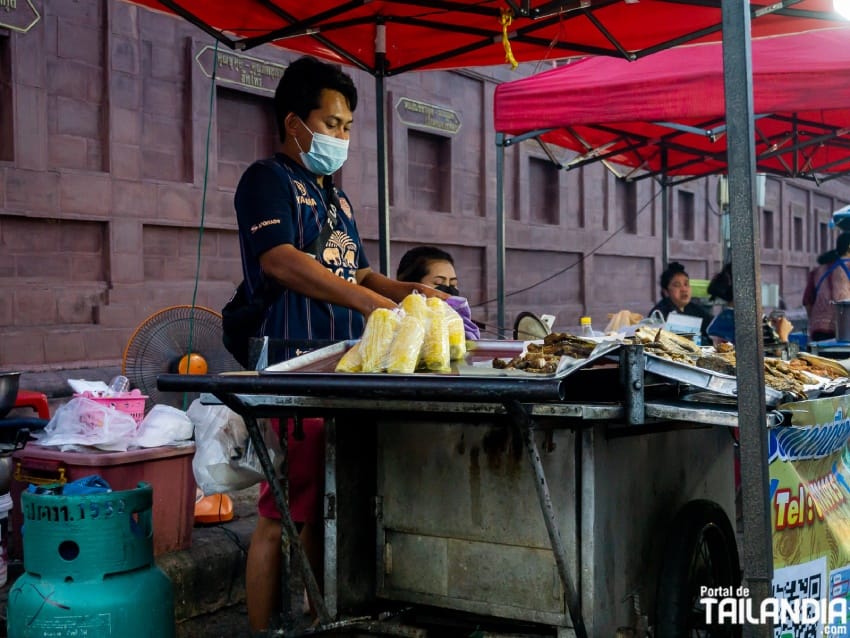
(326, 155)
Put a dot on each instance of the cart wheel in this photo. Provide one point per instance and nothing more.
(701, 550)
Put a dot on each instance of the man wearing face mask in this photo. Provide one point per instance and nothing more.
(298, 235)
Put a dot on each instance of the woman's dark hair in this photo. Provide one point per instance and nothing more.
(842, 244)
(673, 269)
(301, 85)
(414, 264)
(828, 257)
(720, 286)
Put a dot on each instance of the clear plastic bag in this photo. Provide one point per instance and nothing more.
(82, 421)
(225, 459)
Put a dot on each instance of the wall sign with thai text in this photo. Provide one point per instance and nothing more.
(240, 70)
(18, 15)
(439, 118)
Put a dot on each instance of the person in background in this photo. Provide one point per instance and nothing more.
(721, 329)
(811, 279)
(830, 282)
(435, 267)
(676, 295)
(286, 207)
(429, 265)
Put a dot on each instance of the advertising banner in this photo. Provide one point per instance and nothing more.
(809, 457)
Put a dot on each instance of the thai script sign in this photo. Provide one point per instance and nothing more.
(18, 15)
(240, 70)
(431, 116)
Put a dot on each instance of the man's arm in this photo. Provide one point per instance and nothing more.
(301, 273)
(392, 288)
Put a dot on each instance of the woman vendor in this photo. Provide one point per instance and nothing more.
(676, 295)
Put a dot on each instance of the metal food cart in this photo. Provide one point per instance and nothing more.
(583, 503)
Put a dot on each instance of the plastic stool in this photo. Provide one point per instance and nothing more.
(35, 400)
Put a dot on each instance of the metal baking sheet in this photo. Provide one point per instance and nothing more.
(477, 362)
(566, 367)
(325, 359)
(701, 378)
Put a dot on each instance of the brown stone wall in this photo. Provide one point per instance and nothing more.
(107, 174)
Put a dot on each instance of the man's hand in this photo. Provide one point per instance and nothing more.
(461, 306)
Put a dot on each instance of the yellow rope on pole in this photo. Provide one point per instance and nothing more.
(506, 19)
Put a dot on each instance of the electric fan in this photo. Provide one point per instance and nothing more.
(162, 343)
(529, 326)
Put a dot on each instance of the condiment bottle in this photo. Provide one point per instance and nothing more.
(586, 327)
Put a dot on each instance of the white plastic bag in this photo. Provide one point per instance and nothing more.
(82, 421)
(225, 459)
(164, 425)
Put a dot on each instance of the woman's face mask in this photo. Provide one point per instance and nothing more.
(326, 155)
(452, 290)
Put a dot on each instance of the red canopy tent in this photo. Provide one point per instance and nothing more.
(387, 37)
(441, 34)
(665, 114)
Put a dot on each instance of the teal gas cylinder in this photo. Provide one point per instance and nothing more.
(89, 569)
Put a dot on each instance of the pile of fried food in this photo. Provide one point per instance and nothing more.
(544, 358)
(420, 334)
(785, 376)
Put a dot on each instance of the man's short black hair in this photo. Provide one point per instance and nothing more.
(301, 85)
(414, 264)
(673, 269)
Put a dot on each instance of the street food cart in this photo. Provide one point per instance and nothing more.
(585, 501)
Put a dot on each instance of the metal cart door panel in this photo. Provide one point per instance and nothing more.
(460, 522)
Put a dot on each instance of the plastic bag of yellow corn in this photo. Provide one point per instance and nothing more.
(435, 349)
(351, 361)
(457, 336)
(415, 304)
(404, 351)
(377, 338)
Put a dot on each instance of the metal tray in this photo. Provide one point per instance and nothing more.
(477, 362)
(701, 378)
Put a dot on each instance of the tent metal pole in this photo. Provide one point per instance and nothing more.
(383, 159)
(746, 282)
(500, 233)
(665, 213)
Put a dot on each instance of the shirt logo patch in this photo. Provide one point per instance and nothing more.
(340, 250)
(302, 197)
(264, 223)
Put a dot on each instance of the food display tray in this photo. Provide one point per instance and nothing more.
(718, 382)
(477, 362)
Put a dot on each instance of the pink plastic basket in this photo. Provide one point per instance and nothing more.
(133, 402)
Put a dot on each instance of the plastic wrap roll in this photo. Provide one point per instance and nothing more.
(435, 349)
(351, 361)
(404, 352)
(377, 339)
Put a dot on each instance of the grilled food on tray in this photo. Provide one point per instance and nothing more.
(544, 358)
(820, 366)
(785, 376)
